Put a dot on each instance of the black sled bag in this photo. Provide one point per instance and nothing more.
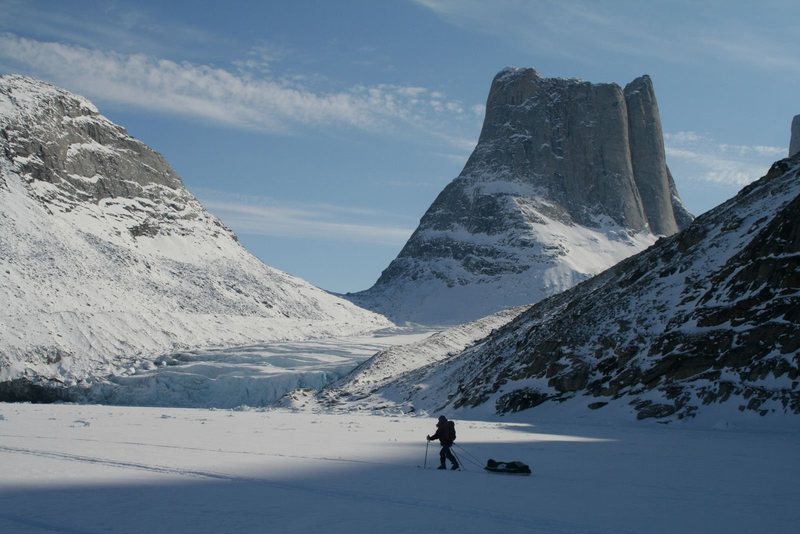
(508, 468)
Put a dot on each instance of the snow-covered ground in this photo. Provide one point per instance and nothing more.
(80, 468)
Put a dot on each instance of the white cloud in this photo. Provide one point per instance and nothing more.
(753, 150)
(752, 49)
(264, 216)
(556, 28)
(633, 29)
(701, 158)
(259, 59)
(108, 25)
(464, 144)
(682, 137)
(240, 99)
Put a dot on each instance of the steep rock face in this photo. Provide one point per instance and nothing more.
(568, 178)
(106, 259)
(566, 136)
(682, 216)
(794, 140)
(647, 156)
(708, 316)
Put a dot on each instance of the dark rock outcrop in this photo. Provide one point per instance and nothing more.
(794, 140)
(63, 140)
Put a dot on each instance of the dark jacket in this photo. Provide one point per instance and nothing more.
(445, 432)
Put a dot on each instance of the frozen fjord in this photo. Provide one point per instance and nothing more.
(78, 468)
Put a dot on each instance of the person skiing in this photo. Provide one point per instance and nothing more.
(446, 434)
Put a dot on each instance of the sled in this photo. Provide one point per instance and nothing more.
(508, 468)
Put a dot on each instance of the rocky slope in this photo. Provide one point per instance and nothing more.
(568, 178)
(106, 259)
(709, 316)
(384, 367)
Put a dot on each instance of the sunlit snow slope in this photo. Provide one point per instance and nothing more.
(107, 260)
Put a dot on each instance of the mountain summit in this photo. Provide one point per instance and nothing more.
(106, 259)
(567, 179)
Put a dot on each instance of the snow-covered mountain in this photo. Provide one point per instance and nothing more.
(710, 315)
(567, 179)
(106, 259)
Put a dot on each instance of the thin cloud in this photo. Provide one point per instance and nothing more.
(569, 29)
(555, 28)
(263, 216)
(239, 99)
(259, 59)
(107, 26)
(704, 159)
(464, 144)
(753, 50)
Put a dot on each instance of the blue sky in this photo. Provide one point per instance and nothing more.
(320, 131)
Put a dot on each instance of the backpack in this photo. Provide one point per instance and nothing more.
(451, 428)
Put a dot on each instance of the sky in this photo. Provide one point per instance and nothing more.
(321, 131)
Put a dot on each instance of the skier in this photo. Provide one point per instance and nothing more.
(446, 434)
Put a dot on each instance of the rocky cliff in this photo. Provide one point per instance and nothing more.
(794, 140)
(568, 178)
(107, 260)
(707, 317)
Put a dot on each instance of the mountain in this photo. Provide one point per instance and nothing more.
(567, 179)
(708, 316)
(794, 140)
(107, 260)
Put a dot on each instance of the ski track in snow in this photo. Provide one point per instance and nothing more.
(41, 525)
(357, 496)
(117, 463)
(200, 449)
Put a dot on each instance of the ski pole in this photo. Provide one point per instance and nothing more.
(425, 465)
(460, 465)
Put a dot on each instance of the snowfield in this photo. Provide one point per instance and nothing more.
(80, 468)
